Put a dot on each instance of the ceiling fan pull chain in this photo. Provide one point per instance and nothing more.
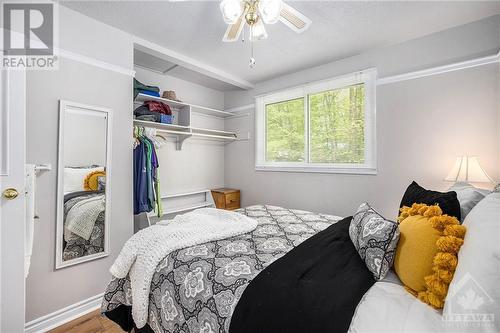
(252, 59)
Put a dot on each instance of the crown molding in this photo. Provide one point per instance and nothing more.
(440, 69)
(240, 108)
(95, 62)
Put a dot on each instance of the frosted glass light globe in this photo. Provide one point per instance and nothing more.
(231, 10)
(270, 10)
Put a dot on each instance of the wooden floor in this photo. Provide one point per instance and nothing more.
(90, 323)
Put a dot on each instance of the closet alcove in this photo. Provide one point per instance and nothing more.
(192, 158)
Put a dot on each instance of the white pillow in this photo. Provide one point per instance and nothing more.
(74, 177)
(468, 196)
(474, 289)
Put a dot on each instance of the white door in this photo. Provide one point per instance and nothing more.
(12, 199)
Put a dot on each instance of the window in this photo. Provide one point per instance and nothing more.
(328, 126)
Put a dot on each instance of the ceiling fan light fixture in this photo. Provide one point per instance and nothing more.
(231, 10)
(258, 31)
(270, 10)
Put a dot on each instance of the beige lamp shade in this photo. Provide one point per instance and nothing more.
(467, 169)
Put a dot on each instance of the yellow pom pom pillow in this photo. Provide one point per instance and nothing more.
(91, 181)
(426, 256)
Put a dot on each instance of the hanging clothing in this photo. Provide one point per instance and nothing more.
(147, 195)
(156, 181)
(140, 180)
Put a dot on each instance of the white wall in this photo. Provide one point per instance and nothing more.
(84, 139)
(422, 125)
(48, 290)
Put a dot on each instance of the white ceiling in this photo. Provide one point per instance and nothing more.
(338, 30)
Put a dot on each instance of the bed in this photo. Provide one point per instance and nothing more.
(75, 246)
(199, 286)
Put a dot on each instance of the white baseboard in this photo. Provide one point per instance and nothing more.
(64, 315)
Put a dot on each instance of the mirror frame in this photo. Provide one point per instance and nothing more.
(63, 106)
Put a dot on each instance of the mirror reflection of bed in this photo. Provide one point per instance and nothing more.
(84, 212)
(83, 160)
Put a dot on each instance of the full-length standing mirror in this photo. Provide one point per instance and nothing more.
(84, 170)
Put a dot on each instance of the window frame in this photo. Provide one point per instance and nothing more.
(367, 77)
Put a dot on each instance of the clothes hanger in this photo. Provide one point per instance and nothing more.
(161, 137)
(136, 137)
(152, 135)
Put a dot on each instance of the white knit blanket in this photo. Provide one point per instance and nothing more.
(82, 216)
(147, 248)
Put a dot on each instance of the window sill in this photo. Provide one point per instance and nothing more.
(317, 169)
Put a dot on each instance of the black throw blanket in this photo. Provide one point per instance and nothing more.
(314, 288)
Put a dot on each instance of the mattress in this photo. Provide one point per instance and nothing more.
(197, 288)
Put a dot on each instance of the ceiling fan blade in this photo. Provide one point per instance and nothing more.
(233, 31)
(294, 19)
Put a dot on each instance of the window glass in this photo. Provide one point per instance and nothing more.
(337, 125)
(285, 124)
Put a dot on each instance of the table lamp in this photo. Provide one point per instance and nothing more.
(467, 169)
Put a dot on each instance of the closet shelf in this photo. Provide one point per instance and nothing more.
(184, 132)
(161, 126)
(141, 98)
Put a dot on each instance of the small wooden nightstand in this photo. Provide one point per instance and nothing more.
(226, 198)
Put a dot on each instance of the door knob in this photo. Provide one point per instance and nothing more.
(10, 193)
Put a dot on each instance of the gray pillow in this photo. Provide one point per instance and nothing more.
(101, 183)
(375, 238)
(468, 196)
(497, 188)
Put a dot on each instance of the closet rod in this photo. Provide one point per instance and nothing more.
(214, 131)
(214, 136)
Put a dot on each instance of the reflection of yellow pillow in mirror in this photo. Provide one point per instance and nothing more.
(91, 180)
(426, 256)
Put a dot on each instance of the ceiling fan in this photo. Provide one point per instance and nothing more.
(255, 13)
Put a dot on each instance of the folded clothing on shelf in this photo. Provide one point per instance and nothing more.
(149, 92)
(159, 107)
(144, 113)
(141, 86)
(154, 118)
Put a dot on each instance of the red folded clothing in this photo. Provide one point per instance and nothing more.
(159, 107)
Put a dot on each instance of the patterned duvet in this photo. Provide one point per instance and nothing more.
(196, 289)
